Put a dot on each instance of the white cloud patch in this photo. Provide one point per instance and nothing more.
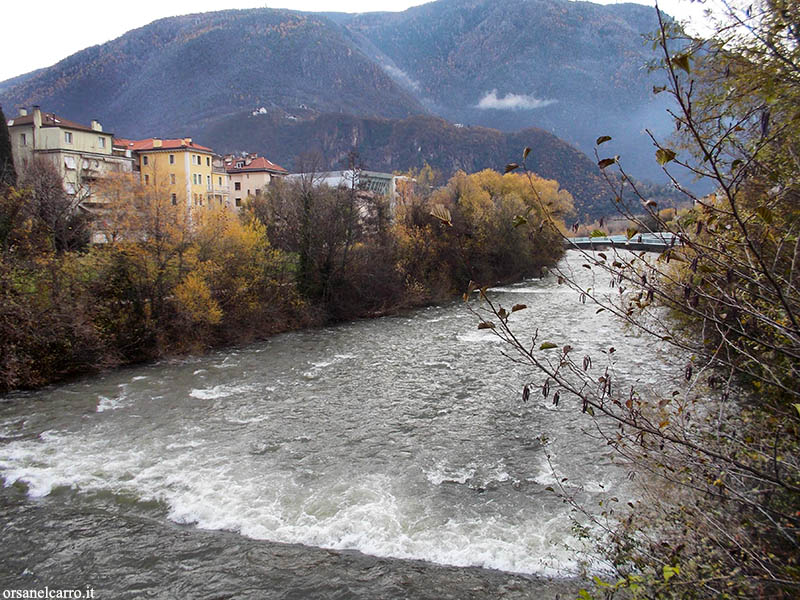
(512, 102)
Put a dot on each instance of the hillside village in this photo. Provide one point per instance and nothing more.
(190, 174)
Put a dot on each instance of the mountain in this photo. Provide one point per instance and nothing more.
(399, 144)
(177, 75)
(284, 80)
(576, 69)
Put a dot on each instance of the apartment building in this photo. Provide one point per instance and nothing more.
(189, 173)
(81, 153)
(249, 175)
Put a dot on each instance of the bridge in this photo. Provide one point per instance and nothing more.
(649, 242)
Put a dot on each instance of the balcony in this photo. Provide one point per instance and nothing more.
(218, 190)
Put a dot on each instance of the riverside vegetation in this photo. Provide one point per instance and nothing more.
(300, 255)
(717, 454)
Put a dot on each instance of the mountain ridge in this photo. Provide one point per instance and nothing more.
(472, 62)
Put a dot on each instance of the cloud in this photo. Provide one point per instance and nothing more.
(511, 102)
(401, 77)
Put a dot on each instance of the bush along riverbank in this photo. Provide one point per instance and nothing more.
(301, 254)
(715, 453)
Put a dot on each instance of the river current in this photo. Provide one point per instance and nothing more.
(389, 458)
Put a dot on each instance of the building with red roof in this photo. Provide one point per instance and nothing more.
(250, 174)
(181, 169)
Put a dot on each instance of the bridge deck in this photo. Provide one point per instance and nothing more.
(648, 242)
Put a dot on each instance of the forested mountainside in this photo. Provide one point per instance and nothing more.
(177, 75)
(401, 144)
(574, 69)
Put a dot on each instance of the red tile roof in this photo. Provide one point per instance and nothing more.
(147, 144)
(257, 164)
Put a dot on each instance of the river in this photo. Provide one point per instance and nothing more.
(386, 458)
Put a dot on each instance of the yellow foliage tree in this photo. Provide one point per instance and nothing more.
(194, 296)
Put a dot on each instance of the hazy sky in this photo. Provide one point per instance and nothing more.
(59, 32)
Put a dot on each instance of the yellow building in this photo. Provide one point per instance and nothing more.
(180, 168)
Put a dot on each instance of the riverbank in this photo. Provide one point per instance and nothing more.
(304, 317)
(351, 459)
(172, 289)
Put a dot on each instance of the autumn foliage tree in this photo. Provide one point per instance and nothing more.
(57, 214)
(719, 515)
(500, 224)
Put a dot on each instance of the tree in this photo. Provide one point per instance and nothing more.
(498, 224)
(726, 519)
(8, 175)
(236, 286)
(339, 236)
(57, 213)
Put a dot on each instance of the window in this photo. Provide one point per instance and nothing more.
(23, 139)
(237, 186)
(69, 162)
(238, 202)
(208, 181)
(146, 179)
(172, 178)
(220, 181)
(68, 137)
(208, 161)
(101, 141)
(174, 199)
(172, 160)
(144, 160)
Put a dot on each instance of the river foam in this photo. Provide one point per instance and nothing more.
(399, 437)
(369, 513)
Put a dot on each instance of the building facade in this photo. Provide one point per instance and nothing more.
(187, 172)
(370, 184)
(249, 175)
(82, 154)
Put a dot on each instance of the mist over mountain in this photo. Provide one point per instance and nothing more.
(576, 69)
(283, 82)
